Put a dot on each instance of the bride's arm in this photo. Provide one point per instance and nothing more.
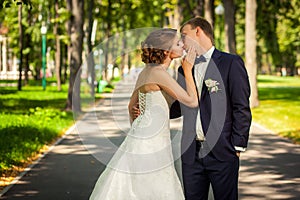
(132, 104)
(187, 65)
(171, 87)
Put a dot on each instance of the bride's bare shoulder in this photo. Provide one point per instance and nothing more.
(149, 79)
(150, 72)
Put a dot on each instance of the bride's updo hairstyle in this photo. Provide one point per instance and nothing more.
(155, 44)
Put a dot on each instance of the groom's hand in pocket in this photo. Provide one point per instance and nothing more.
(238, 153)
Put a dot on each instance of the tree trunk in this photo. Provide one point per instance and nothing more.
(20, 46)
(104, 72)
(65, 62)
(124, 46)
(129, 62)
(176, 18)
(107, 33)
(58, 49)
(250, 46)
(27, 45)
(27, 58)
(91, 62)
(209, 11)
(68, 48)
(76, 29)
(187, 6)
(230, 43)
(199, 10)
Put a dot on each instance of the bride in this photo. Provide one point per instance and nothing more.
(143, 166)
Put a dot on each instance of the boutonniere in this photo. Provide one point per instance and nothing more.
(212, 85)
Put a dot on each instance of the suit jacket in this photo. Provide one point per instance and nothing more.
(225, 114)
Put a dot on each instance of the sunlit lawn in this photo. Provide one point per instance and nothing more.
(279, 108)
(31, 119)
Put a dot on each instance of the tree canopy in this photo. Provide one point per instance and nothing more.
(277, 28)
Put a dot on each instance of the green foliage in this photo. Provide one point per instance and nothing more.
(240, 27)
(278, 33)
(288, 33)
(10, 3)
(22, 136)
(279, 108)
(30, 119)
(266, 28)
(33, 118)
(34, 13)
(119, 16)
(277, 25)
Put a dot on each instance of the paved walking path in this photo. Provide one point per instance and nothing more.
(269, 168)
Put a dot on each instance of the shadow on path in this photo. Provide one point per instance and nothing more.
(269, 168)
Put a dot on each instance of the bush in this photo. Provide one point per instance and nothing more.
(22, 136)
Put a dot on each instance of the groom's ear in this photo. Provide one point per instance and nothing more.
(166, 53)
(198, 31)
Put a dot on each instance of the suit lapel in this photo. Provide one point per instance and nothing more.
(215, 60)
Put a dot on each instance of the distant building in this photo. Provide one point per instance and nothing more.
(8, 63)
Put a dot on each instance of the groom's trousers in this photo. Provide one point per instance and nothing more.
(222, 175)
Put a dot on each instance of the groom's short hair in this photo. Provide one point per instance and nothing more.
(203, 24)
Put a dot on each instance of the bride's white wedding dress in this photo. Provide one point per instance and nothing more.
(143, 166)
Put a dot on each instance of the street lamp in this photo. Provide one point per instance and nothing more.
(219, 10)
(44, 32)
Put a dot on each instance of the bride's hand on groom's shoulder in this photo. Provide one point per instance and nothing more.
(188, 61)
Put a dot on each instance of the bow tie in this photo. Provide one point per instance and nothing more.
(200, 59)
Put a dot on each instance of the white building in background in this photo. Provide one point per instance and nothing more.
(8, 64)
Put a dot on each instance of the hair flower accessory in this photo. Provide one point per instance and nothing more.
(212, 85)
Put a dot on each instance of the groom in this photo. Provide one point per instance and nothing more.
(215, 133)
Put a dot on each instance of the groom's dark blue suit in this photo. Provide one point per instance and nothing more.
(226, 119)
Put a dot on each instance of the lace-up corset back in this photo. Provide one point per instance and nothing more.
(154, 113)
(142, 102)
(151, 99)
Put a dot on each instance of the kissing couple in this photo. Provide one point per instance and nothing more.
(211, 93)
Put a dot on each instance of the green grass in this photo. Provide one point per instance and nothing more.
(33, 118)
(279, 108)
(22, 136)
(8, 81)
